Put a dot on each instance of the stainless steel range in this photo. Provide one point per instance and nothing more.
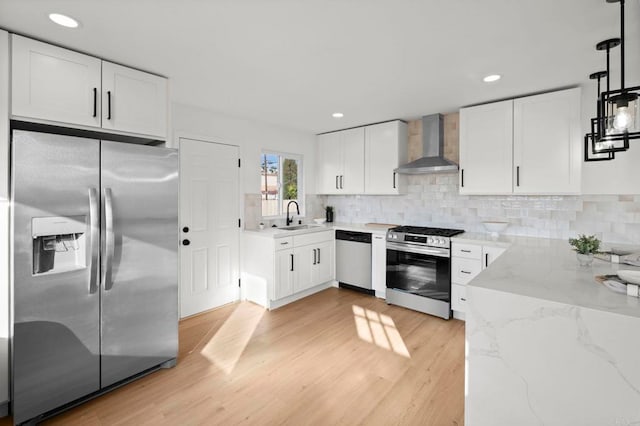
(419, 269)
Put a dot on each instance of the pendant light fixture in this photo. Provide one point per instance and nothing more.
(619, 120)
(591, 144)
(612, 143)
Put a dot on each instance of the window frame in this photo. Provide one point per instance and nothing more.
(281, 156)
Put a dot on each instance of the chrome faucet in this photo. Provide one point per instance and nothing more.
(289, 220)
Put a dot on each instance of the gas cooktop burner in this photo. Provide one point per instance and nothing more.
(423, 230)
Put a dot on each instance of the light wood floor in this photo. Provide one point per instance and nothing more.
(311, 362)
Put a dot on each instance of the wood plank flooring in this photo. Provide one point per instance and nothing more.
(337, 357)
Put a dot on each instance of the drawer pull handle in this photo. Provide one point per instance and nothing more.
(466, 251)
(466, 272)
(284, 244)
(463, 299)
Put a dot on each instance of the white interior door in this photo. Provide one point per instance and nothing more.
(210, 231)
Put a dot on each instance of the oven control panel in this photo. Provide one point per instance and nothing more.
(424, 240)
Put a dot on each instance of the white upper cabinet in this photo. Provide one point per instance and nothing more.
(486, 148)
(329, 163)
(352, 177)
(341, 162)
(133, 101)
(385, 148)
(547, 143)
(362, 160)
(51, 83)
(530, 145)
(59, 85)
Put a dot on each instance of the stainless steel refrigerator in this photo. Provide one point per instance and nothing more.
(94, 288)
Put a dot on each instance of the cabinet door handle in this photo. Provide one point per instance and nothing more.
(314, 256)
(108, 104)
(318, 256)
(463, 299)
(466, 272)
(462, 178)
(95, 101)
(394, 180)
(341, 185)
(337, 182)
(517, 175)
(486, 260)
(465, 251)
(291, 262)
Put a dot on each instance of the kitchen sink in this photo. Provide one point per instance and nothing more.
(298, 227)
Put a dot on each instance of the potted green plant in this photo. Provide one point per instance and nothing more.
(585, 247)
(329, 212)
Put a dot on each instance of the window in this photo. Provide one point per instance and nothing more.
(280, 182)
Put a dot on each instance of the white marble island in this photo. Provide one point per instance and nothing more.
(547, 345)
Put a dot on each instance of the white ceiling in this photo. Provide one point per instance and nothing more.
(294, 62)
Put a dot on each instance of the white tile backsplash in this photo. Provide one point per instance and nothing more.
(433, 200)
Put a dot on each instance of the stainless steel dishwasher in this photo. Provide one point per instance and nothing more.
(353, 260)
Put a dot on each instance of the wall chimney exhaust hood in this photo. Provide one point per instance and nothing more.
(432, 160)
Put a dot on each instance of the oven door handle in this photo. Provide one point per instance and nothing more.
(418, 250)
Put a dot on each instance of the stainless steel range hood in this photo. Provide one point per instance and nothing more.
(432, 160)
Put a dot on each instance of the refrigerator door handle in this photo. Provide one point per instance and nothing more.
(95, 240)
(107, 281)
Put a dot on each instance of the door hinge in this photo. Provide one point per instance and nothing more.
(239, 223)
(238, 162)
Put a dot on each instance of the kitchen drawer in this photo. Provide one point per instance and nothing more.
(313, 238)
(283, 243)
(468, 251)
(458, 297)
(464, 270)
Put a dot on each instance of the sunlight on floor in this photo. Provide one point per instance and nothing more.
(226, 347)
(379, 329)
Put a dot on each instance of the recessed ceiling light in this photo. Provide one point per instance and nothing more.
(491, 78)
(337, 115)
(64, 20)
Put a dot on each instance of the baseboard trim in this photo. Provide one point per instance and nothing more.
(275, 304)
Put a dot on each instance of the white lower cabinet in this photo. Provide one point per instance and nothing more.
(489, 254)
(458, 297)
(379, 265)
(323, 268)
(464, 270)
(284, 272)
(467, 261)
(277, 271)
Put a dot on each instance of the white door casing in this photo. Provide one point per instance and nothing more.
(210, 209)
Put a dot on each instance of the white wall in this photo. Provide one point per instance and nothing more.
(251, 136)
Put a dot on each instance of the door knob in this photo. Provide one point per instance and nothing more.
(186, 242)
(185, 229)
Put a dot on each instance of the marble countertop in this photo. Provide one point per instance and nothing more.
(548, 269)
(485, 238)
(379, 229)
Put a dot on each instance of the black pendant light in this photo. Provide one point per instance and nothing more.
(619, 117)
(611, 144)
(591, 138)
